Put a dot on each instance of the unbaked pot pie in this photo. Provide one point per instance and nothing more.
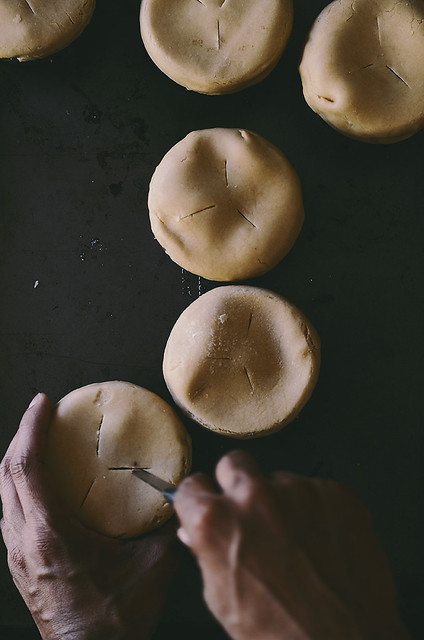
(362, 68)
(31, 29)
(216, 46)
(98, 434)
(225, 204)
(242, 361)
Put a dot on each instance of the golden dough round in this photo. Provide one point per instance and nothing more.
(225, 204)
(242, 361)
(32, 29)
(98, 433)
(363, 68)
(216, 46)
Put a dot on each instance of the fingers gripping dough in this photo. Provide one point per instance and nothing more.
(241, 361)
(31, 29)
(97, 434)
(225, 204)
(216, 46)
(363, 68)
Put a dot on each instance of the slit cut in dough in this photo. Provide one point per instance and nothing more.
(362, 68)
(225, 204)
(98, 433)
(216, 46)
(242, 361)
(32, 29)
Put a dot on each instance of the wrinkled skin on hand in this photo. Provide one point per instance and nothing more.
(76, 583)
(287, 557)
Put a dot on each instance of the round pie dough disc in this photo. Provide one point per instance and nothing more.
(98, 433)
(362, 68)
(32, 29)
(242, 361)
(216, 46)
(225, 204)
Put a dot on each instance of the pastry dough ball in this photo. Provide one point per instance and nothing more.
(225, 204)
(242, 361)
(216, 46)
(363, 68)
(101, 431)
(31, 29)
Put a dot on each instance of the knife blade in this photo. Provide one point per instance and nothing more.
(166, 488)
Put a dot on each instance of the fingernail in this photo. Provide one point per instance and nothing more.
(34, 400)
(182, 534)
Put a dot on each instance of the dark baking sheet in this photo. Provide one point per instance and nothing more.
(88, 294)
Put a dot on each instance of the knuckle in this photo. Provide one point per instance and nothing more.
(4, 471)
(42, 543)
(43, 539)
(19, 468)
(16, 560)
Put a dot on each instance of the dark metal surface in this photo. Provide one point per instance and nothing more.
(88, 295)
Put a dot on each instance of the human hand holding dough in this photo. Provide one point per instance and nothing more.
(242, 361)
(77, 584)
(362, 68)
(31, 29)
(101, 431)
(225, 204)
(216, 46)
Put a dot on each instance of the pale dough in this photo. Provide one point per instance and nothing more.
(216, 46)
(362, 68)
(225, 204)
(31, 29)
(242, 361)
(97, 434)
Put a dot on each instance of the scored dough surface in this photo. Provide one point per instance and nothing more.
(225, 204)
(97, 434)
(242, 361)
(363, 68)
(216, 46)
(31, 29)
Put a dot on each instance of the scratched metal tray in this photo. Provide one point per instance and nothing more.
(89, 295)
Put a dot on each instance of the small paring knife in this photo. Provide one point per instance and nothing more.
(166, 488)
